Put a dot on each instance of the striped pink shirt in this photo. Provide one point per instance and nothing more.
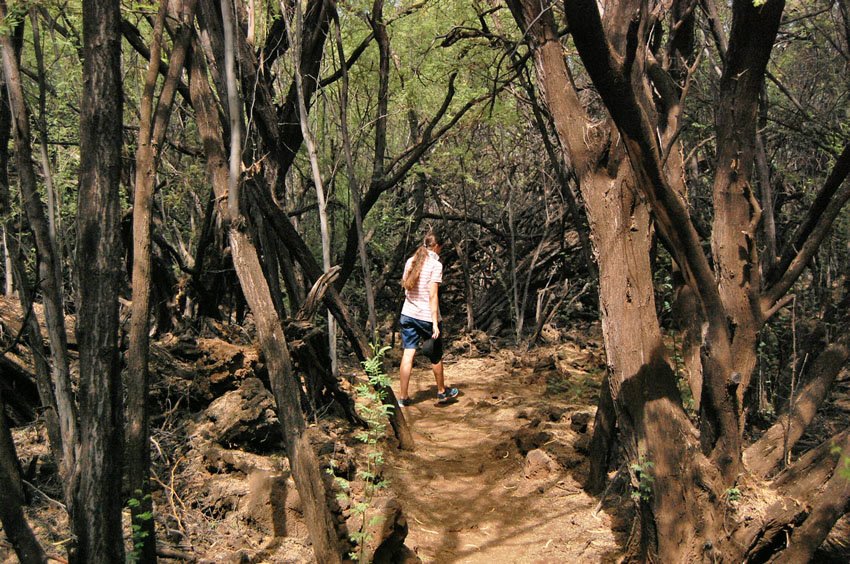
(417, 301)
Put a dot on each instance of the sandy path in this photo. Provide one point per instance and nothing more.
(464, 490)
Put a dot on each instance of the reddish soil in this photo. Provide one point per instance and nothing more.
(496, 475)
(465, 489)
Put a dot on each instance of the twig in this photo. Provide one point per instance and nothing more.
(45, 496)
(607, 489)
(168, 552)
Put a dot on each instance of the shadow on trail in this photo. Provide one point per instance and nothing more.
(464, 490)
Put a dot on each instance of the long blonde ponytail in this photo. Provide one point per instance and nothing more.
(432, 239)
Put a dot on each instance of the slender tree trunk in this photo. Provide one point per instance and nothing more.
(35, 341)
(303, 461)
(53, 203)
(768, 217)
(96, 508)
(232, 110)
(12, 516)
(152, 129)
(312, 271)
(138, 378)
(354, 189)
(519, 316)
(296, 39)
(16, 276)
(8, 284)
(50, 270)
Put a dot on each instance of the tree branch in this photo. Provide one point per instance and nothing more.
(825, 209)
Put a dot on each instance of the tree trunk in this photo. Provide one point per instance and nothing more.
(827, 506)
(96, 508)
(16, 276)
(152, 130)
(354, 189)
(773, 446)
(303, 461)
(12, 516)
(50, 270)
(642, 385)
(138, 378)
(8, 284)
(262, 204)
(53, 202)
(296, 40)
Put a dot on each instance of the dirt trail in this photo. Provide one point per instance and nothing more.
(465, 491)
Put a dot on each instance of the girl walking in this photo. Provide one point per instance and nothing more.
(420, 315)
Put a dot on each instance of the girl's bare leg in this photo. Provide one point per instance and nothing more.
(404, 371)
(439, 377)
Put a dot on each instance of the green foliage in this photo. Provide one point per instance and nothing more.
(139, 535)
(733, 494)
(641, 470)
(843, 464)
(371, 395)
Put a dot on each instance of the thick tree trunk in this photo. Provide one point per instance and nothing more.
(303, 461)
(12, 516)
(642, 385)
(96, 508)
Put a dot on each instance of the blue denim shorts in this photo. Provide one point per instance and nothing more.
(414, 331)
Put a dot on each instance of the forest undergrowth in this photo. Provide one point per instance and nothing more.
(496, 475)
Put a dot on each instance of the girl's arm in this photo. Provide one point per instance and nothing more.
(434, 302)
